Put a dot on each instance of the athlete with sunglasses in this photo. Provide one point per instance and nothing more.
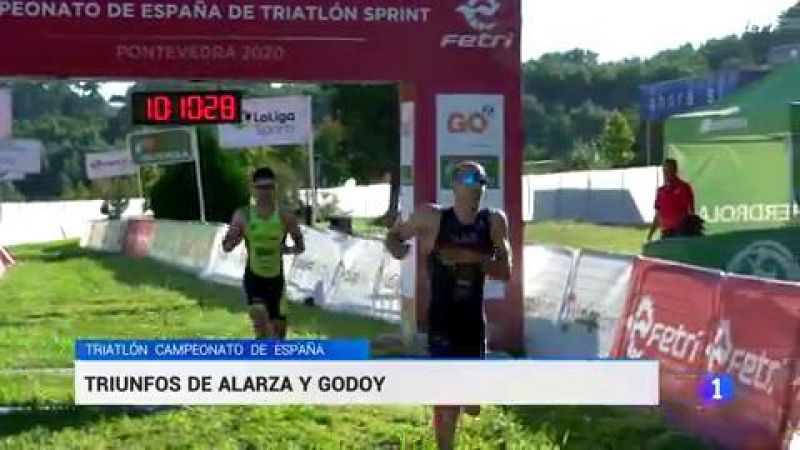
(463, 244)
(264, 227)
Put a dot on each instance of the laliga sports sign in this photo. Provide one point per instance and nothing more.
(269, 121)
(481, 17)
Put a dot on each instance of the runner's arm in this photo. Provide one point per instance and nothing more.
(292, 227)
(498, 266)
(655, 223)
(402, 231)
(235, 232)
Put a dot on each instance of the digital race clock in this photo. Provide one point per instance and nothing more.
(186, 108)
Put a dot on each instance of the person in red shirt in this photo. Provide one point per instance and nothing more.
(674, 202)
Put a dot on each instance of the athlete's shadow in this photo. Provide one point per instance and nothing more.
(59, 416)
(53, 252)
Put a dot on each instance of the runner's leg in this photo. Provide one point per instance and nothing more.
(260, 320)
(274, 293)
(445, 419)
(257, 296)
(476, 350)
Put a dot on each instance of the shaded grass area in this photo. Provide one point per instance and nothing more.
(256, 428)
(59, 293)
(337, 427)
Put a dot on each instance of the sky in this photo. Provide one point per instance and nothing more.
(628, 28)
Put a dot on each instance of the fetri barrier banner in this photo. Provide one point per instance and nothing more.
(356, 275)
(756, 341)
(698, 322)
(337, 373)
(138, 237)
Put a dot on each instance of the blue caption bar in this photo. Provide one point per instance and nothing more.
(220, 350)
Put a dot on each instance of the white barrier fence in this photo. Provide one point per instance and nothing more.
(186, 245)
(356, 201)
(107, 236)
(620, 196)
(573, 301)
(2, 262)
(342, 273)
(34, 222)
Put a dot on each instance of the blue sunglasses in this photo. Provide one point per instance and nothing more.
(472, 178)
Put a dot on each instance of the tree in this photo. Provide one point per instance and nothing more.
(70, 119)
(331, 153)
(616, 143)
(582, 156)
(534, 153)
(371, 146)
(588, 120)
(174, 195)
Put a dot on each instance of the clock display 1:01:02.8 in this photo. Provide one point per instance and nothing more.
(186, 108)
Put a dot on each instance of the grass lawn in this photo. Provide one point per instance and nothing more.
(615, 239)
(59, 293)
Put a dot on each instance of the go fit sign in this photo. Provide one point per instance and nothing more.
(470, 122)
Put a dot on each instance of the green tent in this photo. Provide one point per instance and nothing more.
(738, 156)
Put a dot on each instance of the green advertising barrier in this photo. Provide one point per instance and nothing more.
(771, 253)
(172, 146)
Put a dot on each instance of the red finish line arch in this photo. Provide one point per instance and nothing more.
(449, 56)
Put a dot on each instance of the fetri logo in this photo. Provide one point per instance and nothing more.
(481, 16)
(645, 333)
(476, 122)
